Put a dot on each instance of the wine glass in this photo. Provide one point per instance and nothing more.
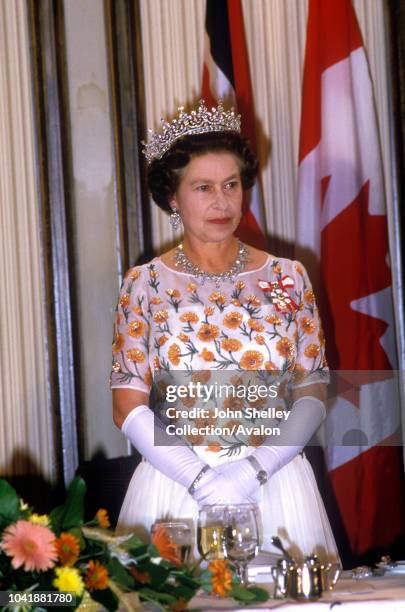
(179, 533)
(241, 537)
(210, 531)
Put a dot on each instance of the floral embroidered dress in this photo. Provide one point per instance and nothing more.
(266, 321)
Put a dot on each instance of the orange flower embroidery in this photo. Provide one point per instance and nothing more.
(96, 576)
(201, 376)
(240, 285)
(232, 404)
(68, 549)
(260, 339)
(299, 269)
(162, 340)
(189, 401)
(236, 303)
(118, 343)
(285, 348)
(309, 297)
(136, 329)
(213, 447)
(273, 319)
(183, 337)
(217, 297)
(231, 344)
(208, 332)
(174, 293)
(211, 419)
(251, 360)
(160, 316)
(208, 311)
(253, 300)
(156, 300)
(307, 325)
(221, 577)
(233, 319)
(124, 300)
(135, 274)
(270, 366)
(174, 354)
(147, 379)
(136, 355)
(196, 439)
(191, 287)
(256, 440)
(255, 325)
(156, 363)
(189, 317)
(312, 350)
(207, 355)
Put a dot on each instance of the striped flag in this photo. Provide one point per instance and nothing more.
(341, 219)
(226, 76)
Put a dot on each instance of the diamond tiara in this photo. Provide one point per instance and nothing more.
(198, 121)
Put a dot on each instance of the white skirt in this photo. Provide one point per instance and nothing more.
(290, 506)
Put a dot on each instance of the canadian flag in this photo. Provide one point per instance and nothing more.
(342, 224)
(226, 76)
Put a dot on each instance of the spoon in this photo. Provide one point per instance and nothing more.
(275, 540)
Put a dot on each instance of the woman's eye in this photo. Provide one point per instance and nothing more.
(203, 187)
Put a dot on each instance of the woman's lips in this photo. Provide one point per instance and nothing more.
(222, 221)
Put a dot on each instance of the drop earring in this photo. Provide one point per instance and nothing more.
(175, 219)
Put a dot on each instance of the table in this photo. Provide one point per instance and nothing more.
(385, 593)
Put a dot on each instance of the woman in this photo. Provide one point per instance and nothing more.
(209, 305)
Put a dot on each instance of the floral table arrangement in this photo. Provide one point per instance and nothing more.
(42, 555)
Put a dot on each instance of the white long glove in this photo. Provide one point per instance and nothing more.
(307, 413)
(175, 459)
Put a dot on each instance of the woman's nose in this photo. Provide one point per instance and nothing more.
(220, 199)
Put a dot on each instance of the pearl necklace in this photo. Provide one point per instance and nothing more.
(187, 266)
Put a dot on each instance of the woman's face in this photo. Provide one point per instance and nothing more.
(209, 196)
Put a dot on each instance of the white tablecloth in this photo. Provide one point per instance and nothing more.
(386, 593)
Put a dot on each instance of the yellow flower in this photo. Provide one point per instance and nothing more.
(68, 579)
(102, 517)
(40, 519)
(221, 577)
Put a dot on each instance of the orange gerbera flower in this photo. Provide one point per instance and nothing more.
(208, 332)
(189, 317)
(221, 577)
(103, 519)
(233, 319)
(251, 360)
(174, 354)
(285, 347)
(136, 355)
(118, 343)
(255, 325)
(312, 350)
(136, 329)
(307, 325)
(68, 549)
(231, 344)
(207, 355)
(166, 548)
(96, 576)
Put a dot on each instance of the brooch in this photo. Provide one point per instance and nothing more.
(279, 295)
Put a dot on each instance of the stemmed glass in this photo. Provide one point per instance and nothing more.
(241, 537)
(210, 532)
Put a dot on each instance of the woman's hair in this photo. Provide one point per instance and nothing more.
(164, 174)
